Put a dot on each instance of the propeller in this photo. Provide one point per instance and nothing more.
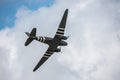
(68, 36)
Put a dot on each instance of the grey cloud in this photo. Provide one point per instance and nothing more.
(4, 65)
(93, 50)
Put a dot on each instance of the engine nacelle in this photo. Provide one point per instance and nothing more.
(57, 50)
(64, 37)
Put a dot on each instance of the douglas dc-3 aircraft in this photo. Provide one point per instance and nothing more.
(53, 43)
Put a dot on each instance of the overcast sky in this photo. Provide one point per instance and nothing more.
(93, 51)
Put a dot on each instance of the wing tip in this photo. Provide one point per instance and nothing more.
(34, 70)
(66, 10)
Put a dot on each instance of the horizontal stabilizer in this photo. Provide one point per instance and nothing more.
(28, 34)
(28, 41)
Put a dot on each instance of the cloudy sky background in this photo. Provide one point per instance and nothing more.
(93, 52)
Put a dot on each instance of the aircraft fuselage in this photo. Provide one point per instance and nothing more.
(49, 41)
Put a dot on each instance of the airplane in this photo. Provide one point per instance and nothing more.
(54, 43)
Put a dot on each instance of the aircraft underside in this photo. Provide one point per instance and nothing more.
(50, 41)
(54, 43)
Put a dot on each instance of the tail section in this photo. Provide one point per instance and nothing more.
(31, 36)
(33, 32)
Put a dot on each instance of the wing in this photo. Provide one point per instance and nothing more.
(48, 53)
(60, 30)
